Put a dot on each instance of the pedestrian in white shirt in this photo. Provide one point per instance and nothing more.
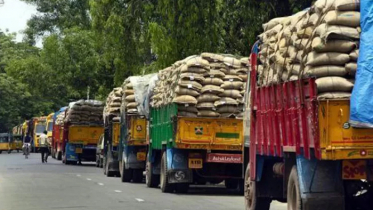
(43, 144)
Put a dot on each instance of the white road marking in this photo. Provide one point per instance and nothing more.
(78, 175)
(139, 199)
(100, 184)
(89, 179)
(117, 191)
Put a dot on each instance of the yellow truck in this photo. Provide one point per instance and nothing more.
(36, 127)
(50, 126)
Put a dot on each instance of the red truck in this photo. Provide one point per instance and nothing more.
(302, 150)
(57, 134)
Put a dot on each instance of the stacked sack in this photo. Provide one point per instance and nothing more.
(113, 103)
(210, 85)
(85, 112)
(59, 118)
(321, 42)
(128, 98)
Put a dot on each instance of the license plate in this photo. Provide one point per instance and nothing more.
(141, 156)
(195, 163)
(354, 169)
(78, 150)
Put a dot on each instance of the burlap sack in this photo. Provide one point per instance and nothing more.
(333, 95)
(130, 98)
(305, 33)
(327, 70)
(187, 114)
(211, 57)
(132, 105)
(228, 109)
(334, 84)
(208, 113)
(327, 32)
(115, 104)
(192, 109)
(213, 81)
(197, 70)
(244, 77)
(225, 101)
(349, 18)
(272, 23)
(192, 77)
(216, 65)
(232, 62)
(129, 86)
(207, 97)
(129, 92)
(198, 62)
(354, 55)
(185, 91)
(231, 93)
(205, 105)
(232, 78)
(190, 85)
(342, 46)
(232, 85)
(331, 58)
(347, 5)
(185, 99)
(351, 68)
(215, 73)
(212, 89)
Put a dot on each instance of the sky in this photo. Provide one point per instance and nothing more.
(14, 15)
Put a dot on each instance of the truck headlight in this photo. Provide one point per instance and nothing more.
(180, 175)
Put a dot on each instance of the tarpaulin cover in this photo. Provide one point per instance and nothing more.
(58, 112)
(361, 113)
(140, 86)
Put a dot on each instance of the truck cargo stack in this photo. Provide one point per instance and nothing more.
(196, 134)
(134, 113)
(111, 117)
(302, 148)
(82, 127)
(57, 140)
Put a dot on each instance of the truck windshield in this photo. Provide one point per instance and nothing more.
(50, 126)
(3, 139)
(40, 128)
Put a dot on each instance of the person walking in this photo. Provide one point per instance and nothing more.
(43, 144)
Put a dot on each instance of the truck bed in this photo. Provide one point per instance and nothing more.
(84, 134)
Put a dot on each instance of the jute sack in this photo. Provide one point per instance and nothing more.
(232, 78)
(351, 68)
(129, 92)
(342, 46)
(185, 99)
(354, 55)
(334, 84)
(129, 86)
(336, 32)
(213, 81)
(216, 65)
(187, 114)
(334, 95)
(186, 91)
(228, 109)
(231, 93)
(115, 104)
(131, 111)
(192, 77)
(190, 85)
(208, 113)
(212, 89)
(206, 105)
(327, 70)
(347, 5)
(225, 101)
(132, 105)
(211, 57)
(322, 6)
(187, 108)
(349, 18)
(272, 23)
(130, 98)
(117, 99)
(207, 97)
(305, 33)
(198, 70)
(232, 62)
(232, 85)
(215, 73)
(198, 62)
(243, 77)
(330, 58)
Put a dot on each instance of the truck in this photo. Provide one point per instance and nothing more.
(57, 131)
(35, 127)
(302, 150)
(132, 148)
(49, 127)
(5, 142)
(110, 162)
(80, 137)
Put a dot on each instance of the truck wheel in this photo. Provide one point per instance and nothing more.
(108, 173)
(1, 152)
(182, 188)
(165, 186)
(231, 184)
(125, 174)
(151, 179)
(137, 175)
(293, 194)
(59, 155)
(252, 202)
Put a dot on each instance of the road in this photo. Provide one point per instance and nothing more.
(31, 185)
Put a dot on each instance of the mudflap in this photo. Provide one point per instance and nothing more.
(154, 157)
(130, 157)
(113, 163)
(321, 184)
(177, 165)
(70, 152)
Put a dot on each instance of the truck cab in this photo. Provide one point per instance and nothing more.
(50, 127)
(40, 125)
(5, 140)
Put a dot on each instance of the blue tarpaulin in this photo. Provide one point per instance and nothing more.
(361, 113)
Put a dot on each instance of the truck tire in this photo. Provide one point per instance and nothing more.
(59, 155)
(137, 175)
(151, 179)
(252, 202)
(182, 188)
(125, 174)
(108, 173)
(165, 186)
(293, 194)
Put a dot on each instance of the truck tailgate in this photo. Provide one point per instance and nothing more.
(84, 134)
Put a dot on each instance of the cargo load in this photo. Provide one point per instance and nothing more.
(84, 112)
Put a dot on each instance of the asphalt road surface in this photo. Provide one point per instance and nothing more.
(28, 184)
